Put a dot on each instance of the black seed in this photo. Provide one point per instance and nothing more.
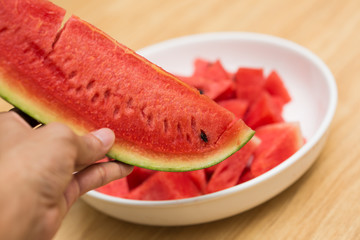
(203, 136)
(72, 74)
(201, 91)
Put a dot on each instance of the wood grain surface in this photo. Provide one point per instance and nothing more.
(325, 202)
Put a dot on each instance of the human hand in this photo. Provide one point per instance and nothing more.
(37, 174)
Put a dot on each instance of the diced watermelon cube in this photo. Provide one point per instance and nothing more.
(200, 67)
(278, 142)
(212, 71)
(275, 86)
(165, 186)
(117, 188)
(228, 92)
(263, 111)
(211, 79)
(249, 83)
(236, 106)
(228, 171)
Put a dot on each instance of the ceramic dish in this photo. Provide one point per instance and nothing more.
(314, 94)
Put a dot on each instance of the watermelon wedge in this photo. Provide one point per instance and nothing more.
(278, 142)
(80, 76)
(275, 86)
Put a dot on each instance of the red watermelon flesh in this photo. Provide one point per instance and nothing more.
(278, 142)
(227, 173)
(199, 179)
(210, 170)
(228, 92)
(165, 186)
(117, 188)
(264, 110)
(138, 176)
(275, 86)
(211, 71)
(211, 79)
(236, 106)
(81, 77)
(249, 83)
(246, 176)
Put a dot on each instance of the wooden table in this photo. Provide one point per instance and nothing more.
(325, 202)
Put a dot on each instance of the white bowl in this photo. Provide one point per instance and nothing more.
(314, 94)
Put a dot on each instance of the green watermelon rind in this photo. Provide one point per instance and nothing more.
(184, 167)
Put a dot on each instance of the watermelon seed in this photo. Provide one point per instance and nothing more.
(91, 84)
(129, 102)
(142, 110)
(150, 120)
(72, 74)
(78, 89)
(129, 108)
(203, 136)
(67, 59)
(26, 50)
(201, 91)
(116, 111)
(107, 94)
(95, 97)
(179, 129)
(188, 138)
(166, 125)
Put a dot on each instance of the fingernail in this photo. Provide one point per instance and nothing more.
(105, 135)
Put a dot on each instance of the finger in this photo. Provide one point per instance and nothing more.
(94, 146)
(79, 151)
(31, 121)
(93, 177)
(13, 129)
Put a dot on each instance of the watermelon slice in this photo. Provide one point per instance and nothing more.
(81, 77)
(278, 142)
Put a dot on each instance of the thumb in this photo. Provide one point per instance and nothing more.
(93, 147)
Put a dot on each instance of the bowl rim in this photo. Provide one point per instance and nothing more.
(255, 37)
